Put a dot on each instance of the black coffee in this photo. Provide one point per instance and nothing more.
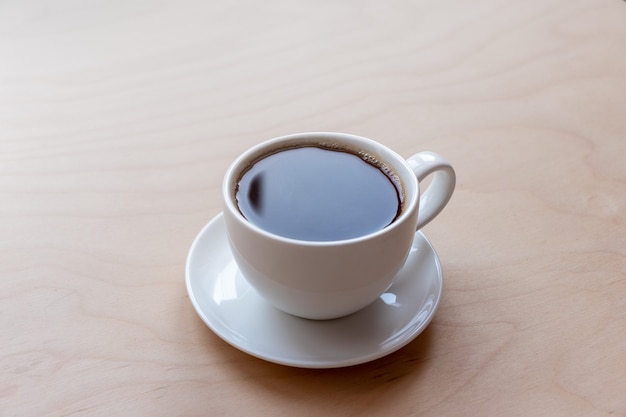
(318, 194)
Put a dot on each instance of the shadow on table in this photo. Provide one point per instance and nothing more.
(360, 387)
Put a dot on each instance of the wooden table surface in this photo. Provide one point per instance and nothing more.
(119, 119)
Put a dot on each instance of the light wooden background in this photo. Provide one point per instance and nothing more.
(119, 118)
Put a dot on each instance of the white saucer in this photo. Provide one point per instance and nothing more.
(237, 314)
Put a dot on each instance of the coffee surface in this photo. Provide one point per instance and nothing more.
(317, 194)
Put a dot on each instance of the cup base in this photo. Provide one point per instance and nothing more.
(234, 311)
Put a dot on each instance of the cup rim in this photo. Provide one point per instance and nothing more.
(411, 199)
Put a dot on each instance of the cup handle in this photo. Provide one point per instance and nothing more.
(439, 191)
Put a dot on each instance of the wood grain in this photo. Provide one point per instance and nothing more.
(118, 120)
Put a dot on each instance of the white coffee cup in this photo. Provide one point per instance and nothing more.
(331, 279)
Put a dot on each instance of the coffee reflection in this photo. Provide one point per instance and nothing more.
(255, 193)
(317, 193)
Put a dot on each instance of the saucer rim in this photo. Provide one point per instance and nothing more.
(310, 364)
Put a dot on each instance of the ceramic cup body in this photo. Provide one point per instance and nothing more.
(330, 279)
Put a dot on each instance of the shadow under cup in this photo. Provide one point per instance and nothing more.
(322, 279)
